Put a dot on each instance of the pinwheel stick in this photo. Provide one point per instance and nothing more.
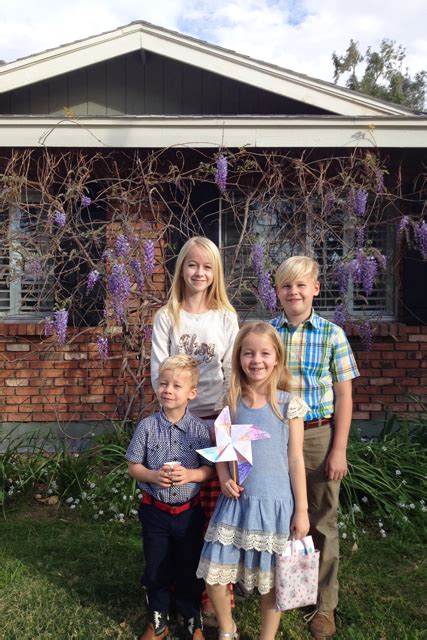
(234, 470)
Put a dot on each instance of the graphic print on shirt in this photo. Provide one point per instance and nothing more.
(201, 351)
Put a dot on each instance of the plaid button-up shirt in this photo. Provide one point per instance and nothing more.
(156, 441)
(318, 354)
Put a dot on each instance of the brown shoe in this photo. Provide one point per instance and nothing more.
(322, 625)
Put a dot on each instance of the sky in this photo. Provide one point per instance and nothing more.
(296, 34)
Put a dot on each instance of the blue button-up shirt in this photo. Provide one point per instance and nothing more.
(317, 354)
(157, 440)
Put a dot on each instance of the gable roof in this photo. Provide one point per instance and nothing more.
(146, 37)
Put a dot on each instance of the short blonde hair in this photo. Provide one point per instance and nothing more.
(182, 363)
(216, 294)
(296, 267)
(280, 377)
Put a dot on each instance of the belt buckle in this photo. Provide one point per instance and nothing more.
(173, 510)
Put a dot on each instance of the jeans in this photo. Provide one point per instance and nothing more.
(172, 546)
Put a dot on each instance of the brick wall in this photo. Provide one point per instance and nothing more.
(394, 369)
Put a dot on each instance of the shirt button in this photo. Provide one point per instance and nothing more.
(175, 441)
(174, 493)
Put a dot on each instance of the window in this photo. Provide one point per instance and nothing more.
(25, 276)
(285, 228)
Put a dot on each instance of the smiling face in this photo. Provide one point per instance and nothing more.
(258, 359)
(296, 298)
(197, 271)
(175, 389)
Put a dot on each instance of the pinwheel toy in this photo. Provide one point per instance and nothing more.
(233, 444)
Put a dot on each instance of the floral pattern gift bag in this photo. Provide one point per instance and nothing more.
(297, 576)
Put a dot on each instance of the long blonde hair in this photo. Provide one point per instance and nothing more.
(216, 294)
(280, 378)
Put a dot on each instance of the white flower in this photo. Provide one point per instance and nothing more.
(92, 485)
(380, 524)
(404, 482)
(383, 448)
(69, 500)
(365, 499)
(405, 518)
(344, 535)
(77, 501)
(134, 512)
(100, 512)
(95, 516)
(72, 506)
(398, 472)
(84, 495)
(422, 502)
(125, 497)
(356, 508)
(412, 506)
(383, 533)
(423, 508)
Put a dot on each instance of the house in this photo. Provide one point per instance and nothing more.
(118, 135)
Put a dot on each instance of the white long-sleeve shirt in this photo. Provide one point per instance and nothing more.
(207, 337)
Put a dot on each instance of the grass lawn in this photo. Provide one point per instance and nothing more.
(64, 578)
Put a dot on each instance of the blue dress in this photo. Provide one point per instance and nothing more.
(244, 534)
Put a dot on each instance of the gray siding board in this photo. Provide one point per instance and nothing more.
(97, 90)
(135, 84)
(58, 95)
(39, 98)
(154, 85)
(191, 91)
(229, 97)
(211, 93)
(20, 101)
(173, 87)
(116, 95)
(77, 92)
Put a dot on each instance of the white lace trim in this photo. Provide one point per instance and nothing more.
(214, 573)
(297, 408)
(246, 539)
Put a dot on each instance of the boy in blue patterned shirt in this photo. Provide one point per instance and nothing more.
(322, 367)
(163, 458)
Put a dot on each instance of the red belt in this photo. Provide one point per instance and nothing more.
(319, 422)
(173, 509)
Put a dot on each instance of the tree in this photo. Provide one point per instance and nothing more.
(384, 76)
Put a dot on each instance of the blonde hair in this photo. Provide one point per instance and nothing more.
(216, 294)
(280, 378)
(181, 363)
(296, 267)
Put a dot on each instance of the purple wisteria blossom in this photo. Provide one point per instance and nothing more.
(221, 172)
(403, 226)
(341, 272)
(149, 257)
(366, 335)
(103, 348)
(266, 292)
(147, 332)
(329, 202)
(59, 218)
(122, 246)
(119, 287)
(48, 327)
(34, 266)
(420, 231)
(86, 201)
(61, 322)
(257, 256)
(379, 181)
(92, 279)
(340, 315)
(138, 275)
(360, 200)
(369, 273)
(360, 237)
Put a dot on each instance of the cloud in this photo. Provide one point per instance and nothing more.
(296, 34)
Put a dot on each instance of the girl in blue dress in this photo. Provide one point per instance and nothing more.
(253, 521)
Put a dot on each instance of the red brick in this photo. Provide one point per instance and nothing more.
(405, 346)
(361, 415)
(14, 382)
(91, 398)
(14, 417)
(380, 381)
(26, 391)
(370, 406)
(18, 347)
(417, 338)
(395, 373)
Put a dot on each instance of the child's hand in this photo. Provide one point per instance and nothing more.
(300, 525)
(181, 475)
(231, 489)
(163, 477)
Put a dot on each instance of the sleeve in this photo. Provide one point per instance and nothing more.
(160, 343)
(343, 365)
(297, 408)
(136, 451)
(231, 329)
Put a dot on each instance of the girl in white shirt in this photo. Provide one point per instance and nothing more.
(198, 320)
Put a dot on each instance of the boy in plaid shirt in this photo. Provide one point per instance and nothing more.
(322, 366)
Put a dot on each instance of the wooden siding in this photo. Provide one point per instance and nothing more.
(143, 83)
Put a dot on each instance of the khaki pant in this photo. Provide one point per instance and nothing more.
(323, 499)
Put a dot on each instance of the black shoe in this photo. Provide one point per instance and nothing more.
(193, 628)
(157, 628)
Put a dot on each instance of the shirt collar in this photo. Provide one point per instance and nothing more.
(313, 320)
(181, 424)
